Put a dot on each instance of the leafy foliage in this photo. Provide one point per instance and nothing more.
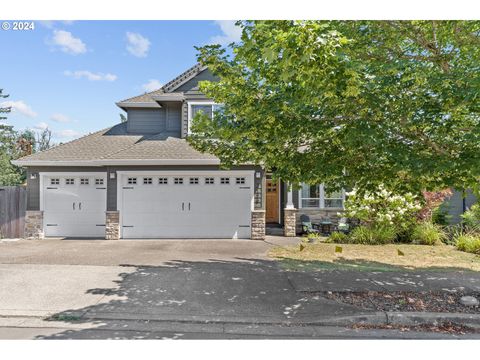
(379, 234)
(471, 217)
(469, 243)
(432, 201)
(427, 233)
(9, 173)
(349, 103)
(338, 238)
(382, 207)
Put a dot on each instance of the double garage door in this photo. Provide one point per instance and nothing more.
(186, 205)
(152, 205)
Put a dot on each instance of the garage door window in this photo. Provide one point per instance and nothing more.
(178, 181)
(209, 181)
(240, 180)
(84, 181)
(132, 181)
(147, 181)
(69, 181)
(224, 180)
(163, 180)
(98, 181)
(193, 181)
(54, 181)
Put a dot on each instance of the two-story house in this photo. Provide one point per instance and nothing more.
(141, 179)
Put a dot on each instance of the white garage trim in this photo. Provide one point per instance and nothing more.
(185, 173)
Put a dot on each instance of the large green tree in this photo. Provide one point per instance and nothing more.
(349, 103)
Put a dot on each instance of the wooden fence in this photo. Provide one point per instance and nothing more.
(13, 204)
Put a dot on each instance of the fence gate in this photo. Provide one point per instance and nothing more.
(13, 204)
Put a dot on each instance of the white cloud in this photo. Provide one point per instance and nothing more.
(60, 118)
(90, 75)
(231, 32)
(41, 126)
(152, 85)
(137, 45)
(68, 133)
(68, 43)
(19, 106)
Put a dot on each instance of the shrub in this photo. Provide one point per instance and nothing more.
(383, 208)
(338, 238)
(373, 235)
(427, 233)
(471, 217)
(469, 243)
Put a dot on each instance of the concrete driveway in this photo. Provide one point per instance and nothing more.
(135, 252)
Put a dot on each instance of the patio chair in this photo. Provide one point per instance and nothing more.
(307, 226)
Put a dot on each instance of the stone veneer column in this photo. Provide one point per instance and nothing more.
(258, 225)
(33, 225)
(112, 225)
(290, 222)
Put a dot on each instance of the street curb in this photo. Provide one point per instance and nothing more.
(403, 318)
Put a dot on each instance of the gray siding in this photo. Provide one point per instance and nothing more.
(153, 121)
(174, 118)
(454, 205)
(192, 84)
(146, 121)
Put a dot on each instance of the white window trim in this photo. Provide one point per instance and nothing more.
(321, 200)
(189, 117)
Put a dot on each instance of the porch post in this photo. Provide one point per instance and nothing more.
(290, 215)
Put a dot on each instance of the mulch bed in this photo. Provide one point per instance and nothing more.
(432, 301)
(447, 328)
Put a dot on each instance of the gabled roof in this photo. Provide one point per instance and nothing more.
(113, 146)
(148, 99)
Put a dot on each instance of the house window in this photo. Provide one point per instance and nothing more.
(69, 181)
(316, 196)
(163, 180)
(224, 180)
(147, 181)
(193, 181)
(132, 181)
(84, 181)
(178, 181)
(239, 180)
(54, 181)
(98, 181)
(207, 108)
(209, 181)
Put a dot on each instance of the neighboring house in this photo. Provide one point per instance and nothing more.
(141, 179)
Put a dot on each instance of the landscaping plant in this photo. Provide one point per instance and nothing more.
(469, 243)
(471, 217)
(338, 237)
(427, 233)
(373, 235)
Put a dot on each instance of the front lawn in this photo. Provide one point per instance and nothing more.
(322, 256)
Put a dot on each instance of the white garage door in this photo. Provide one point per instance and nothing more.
(74, 205)
(178, 205)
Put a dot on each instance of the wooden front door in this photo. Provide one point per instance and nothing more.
(271, 208)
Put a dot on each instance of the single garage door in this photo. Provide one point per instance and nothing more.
(74, 205)
(178, 205)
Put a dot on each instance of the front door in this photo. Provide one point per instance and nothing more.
(271, 208)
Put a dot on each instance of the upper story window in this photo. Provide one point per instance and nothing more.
(207, 108)
(318, 197)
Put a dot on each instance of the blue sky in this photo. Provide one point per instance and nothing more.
(68, 75)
